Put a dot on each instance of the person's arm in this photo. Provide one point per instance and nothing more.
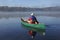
(24, 20)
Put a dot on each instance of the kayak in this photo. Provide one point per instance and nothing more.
(33, 26)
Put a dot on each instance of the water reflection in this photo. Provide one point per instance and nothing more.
(11, 29)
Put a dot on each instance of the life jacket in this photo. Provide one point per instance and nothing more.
(30, 19)
(32, 22)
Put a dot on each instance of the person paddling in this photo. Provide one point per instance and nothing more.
(32, 20)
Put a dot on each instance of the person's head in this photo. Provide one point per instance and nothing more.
(32, 14)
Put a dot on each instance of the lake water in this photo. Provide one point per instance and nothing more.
(11, 29)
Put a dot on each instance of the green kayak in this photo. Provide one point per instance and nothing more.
(32, 26)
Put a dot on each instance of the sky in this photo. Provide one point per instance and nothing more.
(30, 3)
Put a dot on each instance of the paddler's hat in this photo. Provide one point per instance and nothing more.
(32, 14)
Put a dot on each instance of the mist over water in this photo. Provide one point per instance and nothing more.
(25, 14)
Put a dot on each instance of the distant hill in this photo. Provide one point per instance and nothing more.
(6, 8)
(51, 9)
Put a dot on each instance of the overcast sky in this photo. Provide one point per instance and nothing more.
(30, 3)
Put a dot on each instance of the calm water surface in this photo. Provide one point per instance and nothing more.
(11, 29)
